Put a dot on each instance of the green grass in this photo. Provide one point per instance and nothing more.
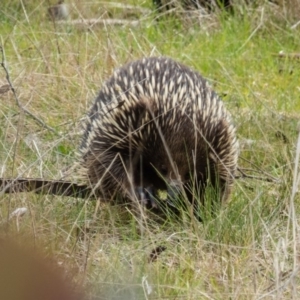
(250, 250)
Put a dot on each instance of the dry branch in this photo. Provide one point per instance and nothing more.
(47, 187)
(88, 23)
(25, 110)
(268, 178)
(128, 7)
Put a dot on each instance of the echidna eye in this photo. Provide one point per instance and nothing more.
(187, 176)
(163, 170)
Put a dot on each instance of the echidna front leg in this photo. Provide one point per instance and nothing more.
(149, 198)
(146, 197)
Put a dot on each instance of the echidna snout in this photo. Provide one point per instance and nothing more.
(155, 122)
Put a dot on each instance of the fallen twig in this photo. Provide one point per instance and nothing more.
(129, 7)
(268, 178)
(256, 170)
(47, 187)
(98, 22)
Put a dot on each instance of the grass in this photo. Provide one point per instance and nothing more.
(250, 250)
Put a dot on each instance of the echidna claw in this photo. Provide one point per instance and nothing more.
(146, 197)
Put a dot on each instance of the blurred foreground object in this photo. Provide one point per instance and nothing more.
(26, 275)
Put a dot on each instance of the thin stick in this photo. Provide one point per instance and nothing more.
(25, 110)
(55, 32)
(244, 175)
(258, 170)
(46, 187)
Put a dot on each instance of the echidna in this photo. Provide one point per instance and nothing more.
(157, 125)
